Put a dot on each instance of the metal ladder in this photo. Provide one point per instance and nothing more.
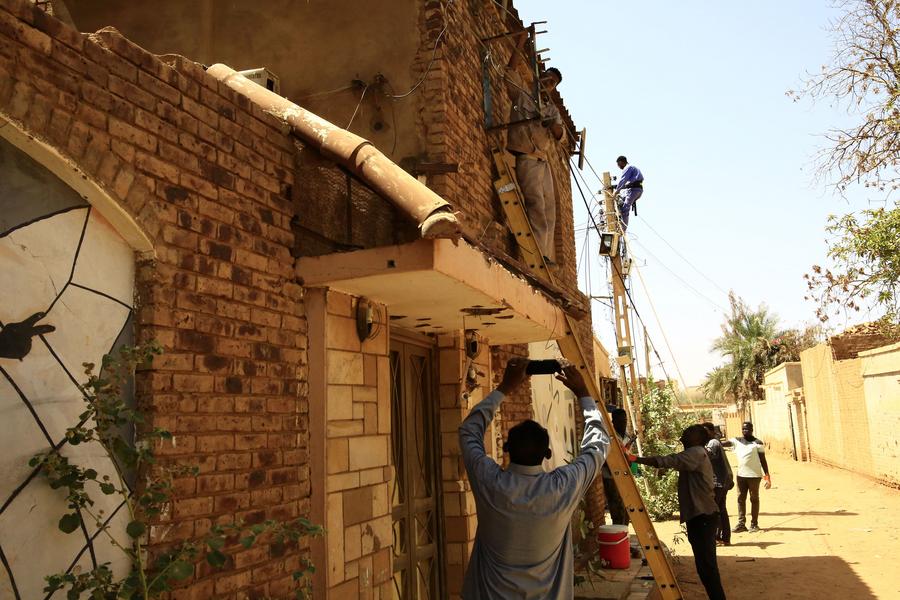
(513, 204)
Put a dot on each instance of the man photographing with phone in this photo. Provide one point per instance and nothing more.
(523, 545)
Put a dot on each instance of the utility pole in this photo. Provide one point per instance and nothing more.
(625, 347)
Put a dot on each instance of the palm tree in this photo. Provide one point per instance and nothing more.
(746, 344)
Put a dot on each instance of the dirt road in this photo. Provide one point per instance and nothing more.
(826, 533)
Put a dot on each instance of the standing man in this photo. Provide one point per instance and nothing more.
(723, 480)
(617, 511)
(696, 503)
(752, 468)
(629, 189)
(534, 132)
(523, 545)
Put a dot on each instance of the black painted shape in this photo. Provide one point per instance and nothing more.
(92, 539)
(87, 218)
(12, 579)
(15, 338)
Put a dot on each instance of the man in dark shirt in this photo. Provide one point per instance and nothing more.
(723, 480)
(696, 502)
(614, 502)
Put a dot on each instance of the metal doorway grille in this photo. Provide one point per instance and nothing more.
(415, 497)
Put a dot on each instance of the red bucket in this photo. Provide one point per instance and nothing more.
(615, 551)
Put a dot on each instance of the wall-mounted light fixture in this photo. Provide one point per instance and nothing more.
(367, 325)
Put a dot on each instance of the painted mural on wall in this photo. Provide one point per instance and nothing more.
(66, 298)
(553, 408)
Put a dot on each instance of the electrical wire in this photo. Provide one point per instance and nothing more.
(681, 256)
(577, 175)
(634, 305)
(437, 42)
(679, 278)
(358, 104)
(663, 332)
(327, 92)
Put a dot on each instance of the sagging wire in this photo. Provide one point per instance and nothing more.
(358, 104)
(632, 302)
(659, 235)
(437, 43)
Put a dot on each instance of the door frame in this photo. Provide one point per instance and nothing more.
(428, 343)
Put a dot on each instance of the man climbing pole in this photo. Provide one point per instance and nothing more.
(629, 189)
(536, 127)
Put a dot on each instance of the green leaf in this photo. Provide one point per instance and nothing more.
(246, 542)
(216, 543)
(69, 523)
(181, 569)
(90, 474)
(107, 488)
(216, 559)
(136, 529)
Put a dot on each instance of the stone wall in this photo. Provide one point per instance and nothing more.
(351, 438)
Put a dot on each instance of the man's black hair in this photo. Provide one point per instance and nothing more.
(750, 423)
(709, 427)
(556, 72)
(619, 419)
(528, 443)
(622, 159)
(696, 433)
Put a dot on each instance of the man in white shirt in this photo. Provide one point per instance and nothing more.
(752, 468)
(523, 545)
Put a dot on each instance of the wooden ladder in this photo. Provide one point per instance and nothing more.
(513, 204)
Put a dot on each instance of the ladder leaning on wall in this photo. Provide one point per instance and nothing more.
(513, 204)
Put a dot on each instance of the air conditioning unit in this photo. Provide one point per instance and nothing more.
(264, 77)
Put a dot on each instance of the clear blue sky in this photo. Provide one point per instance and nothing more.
(694, 94)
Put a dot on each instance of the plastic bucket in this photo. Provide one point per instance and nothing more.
(615, 552)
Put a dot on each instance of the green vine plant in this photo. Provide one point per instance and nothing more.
(129, 441)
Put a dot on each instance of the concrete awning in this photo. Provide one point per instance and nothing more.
(437, 286)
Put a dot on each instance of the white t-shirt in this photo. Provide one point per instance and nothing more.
(747, 454)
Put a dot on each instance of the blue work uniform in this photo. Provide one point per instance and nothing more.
(630, 188)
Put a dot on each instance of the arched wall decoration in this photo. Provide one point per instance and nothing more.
(67, 258)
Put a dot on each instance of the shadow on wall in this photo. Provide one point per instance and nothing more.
(796, 578)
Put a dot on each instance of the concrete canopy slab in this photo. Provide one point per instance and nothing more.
(436, 286)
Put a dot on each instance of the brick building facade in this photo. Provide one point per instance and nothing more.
(255, 256)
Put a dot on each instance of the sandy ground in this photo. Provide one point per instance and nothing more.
(826, 533)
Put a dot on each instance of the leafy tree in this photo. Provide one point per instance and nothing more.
(866, 254)
(864, 76)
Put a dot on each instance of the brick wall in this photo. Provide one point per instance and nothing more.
(206, 177)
